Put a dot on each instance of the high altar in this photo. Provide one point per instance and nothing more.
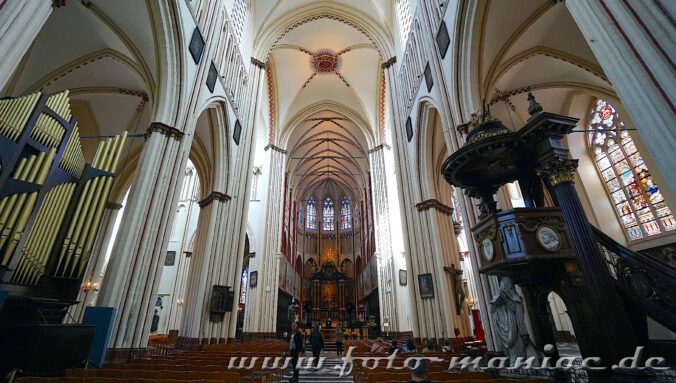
(328, 293)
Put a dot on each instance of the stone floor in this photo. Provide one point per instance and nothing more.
(326, 374)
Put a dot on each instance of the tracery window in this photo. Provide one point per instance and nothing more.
(328, 218)
(404, 19)
(240, 16)
(357, 217)
(345, 214)
(299, 216)
(638, 202)
(311, 215)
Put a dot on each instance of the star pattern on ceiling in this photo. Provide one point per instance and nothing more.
(325, 61)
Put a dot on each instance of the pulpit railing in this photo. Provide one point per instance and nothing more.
(647, 281)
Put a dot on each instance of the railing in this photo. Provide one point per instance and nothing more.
(647, 281)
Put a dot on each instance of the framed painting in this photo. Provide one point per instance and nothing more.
(403, 278)
(196, 46)
(237, 132)
(409, 129)
(170, 259)
(443, 40)
(426, 285)
(428, 77)
(212, 77)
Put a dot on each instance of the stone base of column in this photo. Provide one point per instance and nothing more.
(258, 335)
(212, 340)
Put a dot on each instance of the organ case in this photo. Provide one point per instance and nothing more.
(51, 200)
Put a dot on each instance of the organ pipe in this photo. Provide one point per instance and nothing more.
(51, 201)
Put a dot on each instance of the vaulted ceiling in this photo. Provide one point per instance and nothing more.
(331, 67)
(535, 46)
(328, 157)
(106, 55)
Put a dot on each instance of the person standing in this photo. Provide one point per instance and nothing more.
(317, 343)
(340, 339)
(295, 348)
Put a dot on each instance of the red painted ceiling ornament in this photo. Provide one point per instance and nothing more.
(325, 61)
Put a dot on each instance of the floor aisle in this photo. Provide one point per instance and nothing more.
(324, 375)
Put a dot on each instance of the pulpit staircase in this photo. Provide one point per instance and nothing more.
(648, 285)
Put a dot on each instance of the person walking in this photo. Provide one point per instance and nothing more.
(296, 348)
(340, 339)
(317, 343)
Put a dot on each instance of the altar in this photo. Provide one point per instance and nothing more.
(329, 293)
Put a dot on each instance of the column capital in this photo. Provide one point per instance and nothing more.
(113, 206)
(389, 62)
(260, 64)
(379, 147)
(214, 196)
(434, 204)
(165, 130)
(558, 171)
(275, 148)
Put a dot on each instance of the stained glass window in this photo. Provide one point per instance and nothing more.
(311, 215)
(299, 216)
(345, 214)
(243, 285)
(328, 219)
(638, 202)
(357, 217)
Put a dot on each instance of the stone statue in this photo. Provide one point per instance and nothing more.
(290, 313)
(507, 313)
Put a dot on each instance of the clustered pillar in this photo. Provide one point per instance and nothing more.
(261, 313)
(212, 264)
(383, 241)
(136, 261)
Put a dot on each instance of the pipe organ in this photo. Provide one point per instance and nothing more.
(51, 200)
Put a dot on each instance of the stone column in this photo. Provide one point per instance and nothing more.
(240, 185)
(219, 245)
(135, 264)
(441, 259)
(180, 289)
(261, 310)
(633, 41)
(387, 290)
(96, 266)
(485, 284)
(212, 264)
(407, 219)
(20, 23)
